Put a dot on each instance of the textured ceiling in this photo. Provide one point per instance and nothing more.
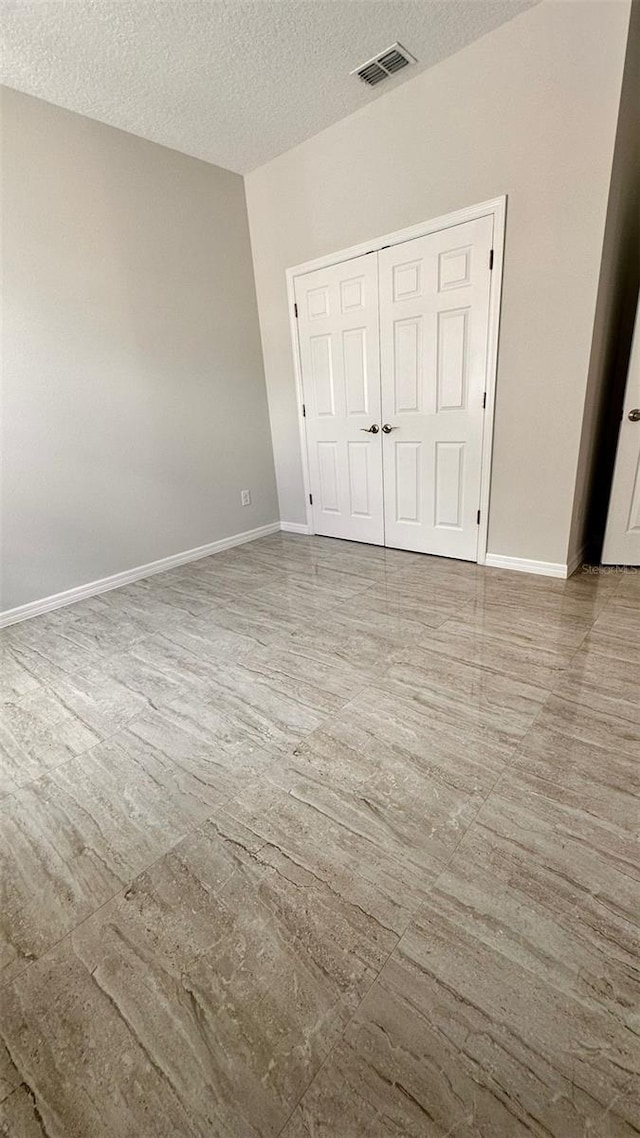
(235, 82)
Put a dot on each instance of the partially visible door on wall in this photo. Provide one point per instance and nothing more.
(393, 354)
(622, 536)
(340, 362)
(434, 323)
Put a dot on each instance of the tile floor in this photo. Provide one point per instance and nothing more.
(323, 840)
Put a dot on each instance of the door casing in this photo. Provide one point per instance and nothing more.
(495, 208)
(622, 535)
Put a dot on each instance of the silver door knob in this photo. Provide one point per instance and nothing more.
(372, 430)
(634, 415)
(387, 429)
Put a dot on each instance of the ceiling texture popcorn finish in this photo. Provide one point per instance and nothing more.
(235, 82)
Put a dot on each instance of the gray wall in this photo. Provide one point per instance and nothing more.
(529, 110)
(615, 317)
(134, 402)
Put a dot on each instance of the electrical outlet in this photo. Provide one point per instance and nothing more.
(245, 497)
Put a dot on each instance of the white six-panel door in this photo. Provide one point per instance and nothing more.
(393, 356)
(434, 321)
(340, 363)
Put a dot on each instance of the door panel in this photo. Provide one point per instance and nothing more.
(408, 481)
(448, 484)
(340, 362)
(434, 312)
(622, 536)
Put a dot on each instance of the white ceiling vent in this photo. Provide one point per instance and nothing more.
(382, 66)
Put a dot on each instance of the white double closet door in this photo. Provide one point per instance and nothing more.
(393, 351)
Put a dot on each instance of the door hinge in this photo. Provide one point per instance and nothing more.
(310, 499)
(304, 411)
(490, 259)
(295, 311)
(478, 518)
(484, 401)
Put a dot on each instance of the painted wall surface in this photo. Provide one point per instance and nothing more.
(615, 317)
(529, 110)
(135, 408)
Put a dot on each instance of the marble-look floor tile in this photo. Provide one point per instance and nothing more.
(465, 640)
(39, 654)
(81, 1065)
(159, 670)
(455, 1038)
(193, 594)
(421, 602)
(508, 1007)
(217, 582)
(528, 625)
(337, 1105)
(442, 571)
(87, 626)
(153, 607)
(227, 966)
(215, 754)
(97, 630)
(38, 733)
(552, 887)
(370, 843)
(380, 734)
(10, 1078)
(97, 698)
(73, 838)
(217, 722)
(616, 632)
(271, 698)
(629, 587)
(615, 639)
(206, 638)
(324, 840)
(357, 634)
(363, 651)
(232, 567)
(15, 680)
(604, 684)
(316, 593)
(466, 693)
(606, 780)
(311, 663)
(278, 553)
(374, 564)
(583, 595)
(237, 969)
(19, 1115)
(265, 620)
(589, 725)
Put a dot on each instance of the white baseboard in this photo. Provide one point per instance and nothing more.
(294, 527)
(93, 588)
(521, 565)
(70, 596)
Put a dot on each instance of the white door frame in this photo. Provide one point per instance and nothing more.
(495, 208)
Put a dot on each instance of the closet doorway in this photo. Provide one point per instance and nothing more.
(395, 345)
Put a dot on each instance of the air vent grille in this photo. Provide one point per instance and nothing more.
(382, 66)
(372, 74)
